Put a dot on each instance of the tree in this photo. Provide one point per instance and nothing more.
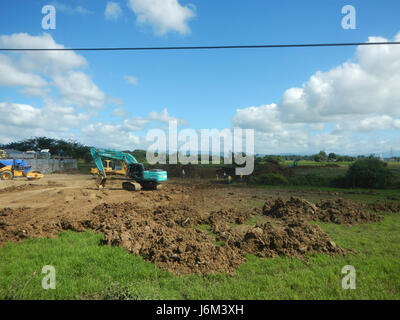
(321, 156)
(370, 172)
(56, 147)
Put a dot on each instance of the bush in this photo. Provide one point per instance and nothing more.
(273, 179)
(369, 173)
(310, 180)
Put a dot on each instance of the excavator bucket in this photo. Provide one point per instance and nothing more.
(101, 182)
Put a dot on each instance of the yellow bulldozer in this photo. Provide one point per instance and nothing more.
(110, 169)
(10, 169)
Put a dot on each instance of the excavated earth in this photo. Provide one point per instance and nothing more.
(186, 227)
(340, 211)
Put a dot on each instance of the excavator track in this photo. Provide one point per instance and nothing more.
(131, 186)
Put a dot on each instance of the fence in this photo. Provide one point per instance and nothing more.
(51, 165)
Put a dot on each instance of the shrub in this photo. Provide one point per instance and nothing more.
(369, 173)
(273, 179)
(310, 180)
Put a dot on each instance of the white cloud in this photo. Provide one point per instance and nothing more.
(27, 68)
(11, 75)
(73, 111)
(70, 9)
(337, 109)
(113, 11)
(46, 62)
(263, 118)
(120, 112)
(163, 15)
(77, 88)
(131, 80)
(24, 121)
(165, 117)
(369, 86)
(114, 136)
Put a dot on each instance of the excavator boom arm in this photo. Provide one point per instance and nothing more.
(99, 154)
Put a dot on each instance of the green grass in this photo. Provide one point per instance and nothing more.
(316, 164)
(86, 269)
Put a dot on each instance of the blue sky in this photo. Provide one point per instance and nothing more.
(205, 89)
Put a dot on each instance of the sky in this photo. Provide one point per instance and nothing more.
(298, 100)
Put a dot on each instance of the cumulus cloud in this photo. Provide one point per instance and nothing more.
(73, 111)
(113, 11)
(62, 7)
(28, 68)
(120, 112)
(77, 88)
(11, 75)
(163, 15)
(131, 80)
(336, 109)
(24, 121)
(369, 86)
(46, 62)
(165, 117)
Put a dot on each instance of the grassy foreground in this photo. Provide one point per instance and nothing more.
(87, 270)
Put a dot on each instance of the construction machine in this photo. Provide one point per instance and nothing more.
(110, 170)
(294, 164)
(137, 178)
(3, 154)
(10, 169)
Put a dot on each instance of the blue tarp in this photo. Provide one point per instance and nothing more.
(17, 163)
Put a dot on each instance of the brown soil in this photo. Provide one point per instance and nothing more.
(339, 211)
(293, 239)
(29, 186)
(185, 228)
(384, 206)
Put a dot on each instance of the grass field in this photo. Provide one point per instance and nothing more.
(85, 269)
(315, 164)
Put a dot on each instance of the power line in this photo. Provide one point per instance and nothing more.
(263, 46)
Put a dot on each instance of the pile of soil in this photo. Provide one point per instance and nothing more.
(338, 211)
(293, 239)
(272, 166)
(384, 206)
(163, 236)
(220, 220)
(10, 230)
(160, 238)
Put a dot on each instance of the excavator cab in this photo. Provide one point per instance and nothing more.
(136, 171)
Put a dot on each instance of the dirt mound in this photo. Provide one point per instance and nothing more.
(293, 239)
(272, 166)
(9, 230)
(167, 237)
(384, 206)
(160, 238)
(219, 220)
(339, 211)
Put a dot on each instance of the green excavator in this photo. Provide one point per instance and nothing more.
(137, 178)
